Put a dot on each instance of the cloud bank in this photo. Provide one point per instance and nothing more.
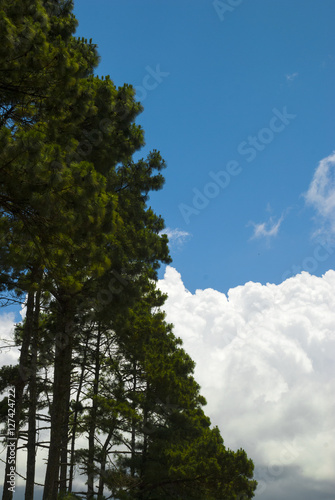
(265, 361)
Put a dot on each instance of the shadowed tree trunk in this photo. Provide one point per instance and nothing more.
(33, 396)
(104, 455)
(61, 394)
(93, 417)
(20, 383)
(76, 412)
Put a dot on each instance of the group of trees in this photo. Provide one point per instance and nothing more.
(103, 389)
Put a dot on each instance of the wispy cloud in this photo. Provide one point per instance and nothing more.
(177, 237)
(292, 77)
(321, 194)
(267, 229)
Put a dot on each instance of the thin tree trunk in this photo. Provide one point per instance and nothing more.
(145, 446)
(33, 396)
(22, 379)
(103, 463)
(133, 425)
(75, 416)
(64, 445)
(60, 403)
(92, 426)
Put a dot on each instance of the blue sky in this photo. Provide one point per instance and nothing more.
(210, 76)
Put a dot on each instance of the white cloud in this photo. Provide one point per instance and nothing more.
(321, 194)
(265, 358)
(23, 311)
(267, 229)
(292, 77)
(8, 354)
(177, 237)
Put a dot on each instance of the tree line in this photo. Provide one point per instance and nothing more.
(103, 389)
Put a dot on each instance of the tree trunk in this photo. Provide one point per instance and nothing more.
(20, 383)
(33, 396)
(92, 425)
(145, 445)
(64, 444)
(60, 404)
(75, 416)
(133, 424)
(103, 462)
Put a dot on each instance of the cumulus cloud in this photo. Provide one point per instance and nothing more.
(321, 194)
(267, 229)
(265, 361)
(177, 237)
